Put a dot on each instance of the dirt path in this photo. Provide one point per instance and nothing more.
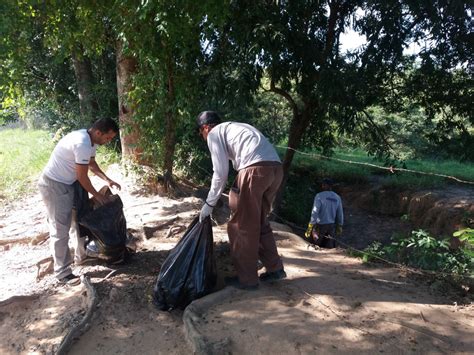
(329, 303)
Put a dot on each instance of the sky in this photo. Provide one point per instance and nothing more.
(351, 40)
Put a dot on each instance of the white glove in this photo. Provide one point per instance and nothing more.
(206, 210)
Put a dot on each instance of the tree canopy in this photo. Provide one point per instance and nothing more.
(156, 64)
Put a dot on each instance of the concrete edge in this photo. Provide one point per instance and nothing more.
(193, 315)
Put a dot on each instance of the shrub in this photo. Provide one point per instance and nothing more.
(421, 250)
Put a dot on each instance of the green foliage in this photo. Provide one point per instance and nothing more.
(421, 250)
(311, 167)
(37, 79)
(23, 154)
(467, 237)
(166, 39)
(276, 64)
(108, 154)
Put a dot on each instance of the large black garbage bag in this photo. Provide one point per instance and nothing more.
(189, 271)
(106, 225)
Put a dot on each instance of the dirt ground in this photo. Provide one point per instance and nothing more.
(330, 302)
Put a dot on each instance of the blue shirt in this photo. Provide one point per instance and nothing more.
(327, 209)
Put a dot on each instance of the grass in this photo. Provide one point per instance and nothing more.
(309, 168)
(359, 173)
(24, 154)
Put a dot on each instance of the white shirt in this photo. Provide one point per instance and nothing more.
(74, 148)
(327, 209)
(240, 143)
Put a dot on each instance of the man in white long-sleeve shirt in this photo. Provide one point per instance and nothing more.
(250, 199)
(327, 216)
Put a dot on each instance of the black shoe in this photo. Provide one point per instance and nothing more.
(234, 282)
(70, 280)
(273, 276)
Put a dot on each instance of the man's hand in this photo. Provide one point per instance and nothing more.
(308, 231)
(206, 210)
(338, 230)
(101, 199)
(112, 184)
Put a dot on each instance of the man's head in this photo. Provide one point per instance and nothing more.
(103, 131)
(206, 120)
(326, 184)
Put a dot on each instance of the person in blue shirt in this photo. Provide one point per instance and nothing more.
(327, 217)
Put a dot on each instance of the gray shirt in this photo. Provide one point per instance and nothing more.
(243, 145)
(327, 209)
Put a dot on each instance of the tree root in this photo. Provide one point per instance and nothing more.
(45, 267)
(79, 329)
(39, 239)
(149, 231)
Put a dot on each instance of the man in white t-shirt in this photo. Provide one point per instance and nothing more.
(250, 199)
(70, 161)
(327, 217)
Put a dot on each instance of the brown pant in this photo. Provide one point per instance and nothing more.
(250, 234)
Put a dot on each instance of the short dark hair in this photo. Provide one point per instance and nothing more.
(328, 181)
(105, 125)
(210, 118)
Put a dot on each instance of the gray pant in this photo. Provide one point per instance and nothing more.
(59, 201)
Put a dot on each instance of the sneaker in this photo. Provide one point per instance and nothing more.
(273, 276)
(70, 280)
(234, 282)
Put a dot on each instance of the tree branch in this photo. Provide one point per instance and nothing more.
(377, 129)
(334, 7)
(286, 95)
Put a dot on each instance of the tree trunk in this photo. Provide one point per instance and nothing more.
(85, 83)
(298, 126)
(129, 130)
(170, 136)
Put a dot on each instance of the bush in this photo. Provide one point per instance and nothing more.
(421, 250)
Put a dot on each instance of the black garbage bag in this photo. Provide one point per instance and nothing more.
(106, 225)
(189, 271)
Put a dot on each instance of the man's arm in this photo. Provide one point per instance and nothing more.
(220, 165)
(98, 171)
(83, 178)
(316, 208)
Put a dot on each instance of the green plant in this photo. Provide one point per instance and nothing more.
(421, 250)
(467, 236)
(372, 252)
(23, 154)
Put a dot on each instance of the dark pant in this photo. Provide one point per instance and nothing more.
(323, 234)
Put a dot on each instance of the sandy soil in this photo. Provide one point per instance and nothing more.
(330, 302)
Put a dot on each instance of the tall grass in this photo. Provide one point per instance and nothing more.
(454, 168)
(23, 154)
